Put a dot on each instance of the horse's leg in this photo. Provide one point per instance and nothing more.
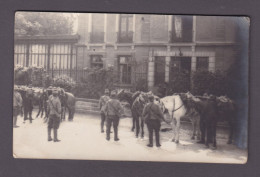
(197, 129)
(134, 119)
(177, 129)
(214, 134)
(173, 129)
(142, 127)
(231, 129)
(40, 108)
(137, 126)
(72, 112)
(202, 130)
(193, 122)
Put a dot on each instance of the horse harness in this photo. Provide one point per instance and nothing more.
(177, 108)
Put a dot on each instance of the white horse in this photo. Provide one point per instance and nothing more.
(176, 110)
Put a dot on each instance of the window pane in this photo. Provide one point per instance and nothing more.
(202, 63)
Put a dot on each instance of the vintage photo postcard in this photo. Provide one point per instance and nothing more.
(131, 87)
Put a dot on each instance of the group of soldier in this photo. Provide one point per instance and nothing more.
(54, 112)
(111, 111)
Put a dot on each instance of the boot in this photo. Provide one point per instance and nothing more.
(116, 136)
(49, 134)
(56, 135)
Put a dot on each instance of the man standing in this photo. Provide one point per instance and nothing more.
(113, 111)
(153, 117)
(17, 105)
(28, 104)
(102, 102)
(54, 107)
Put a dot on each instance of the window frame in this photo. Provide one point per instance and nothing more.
(128, 73)
(95, 64)
(128, 38)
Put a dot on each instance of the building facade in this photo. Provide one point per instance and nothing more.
(153, 46)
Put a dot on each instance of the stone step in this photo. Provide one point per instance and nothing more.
(84, 111)
(87, 100)
(81, 103)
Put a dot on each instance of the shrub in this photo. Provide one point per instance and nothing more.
(180, 82)
(211, 83)
(94, 82)
(37, 76)
(141, 85)
(65, 82)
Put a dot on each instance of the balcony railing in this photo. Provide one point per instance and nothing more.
(181, 36)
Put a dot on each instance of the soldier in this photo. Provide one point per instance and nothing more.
(17, 105)
(54, 107)
(153, 117)
(28, 104)
(103, 100)
(113, 111)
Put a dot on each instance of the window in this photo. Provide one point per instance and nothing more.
(202, 63)
(20, 55)
(182, 28)
(97, 35)
(61, 57)
(180, 64)
(38, 55)
(96, 61)
(124, 69)
(125, 28)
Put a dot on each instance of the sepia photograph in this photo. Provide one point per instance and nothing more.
(131, 87)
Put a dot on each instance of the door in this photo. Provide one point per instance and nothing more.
(159, 70)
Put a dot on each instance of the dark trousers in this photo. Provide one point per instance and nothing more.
(109, 121)
(103, 118)
(154, 125)
(54, 122)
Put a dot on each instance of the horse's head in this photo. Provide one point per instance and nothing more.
(225, 104)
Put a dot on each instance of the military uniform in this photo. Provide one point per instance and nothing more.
(102, 102)
(17, 106)
(54, 107)
(28, 104)
(113, 111)
(154, 116)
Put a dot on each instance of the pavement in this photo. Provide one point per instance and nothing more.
(82, 140)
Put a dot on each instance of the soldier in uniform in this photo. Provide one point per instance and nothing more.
(28, 104)
(113, 111)
(17, 105)
(153, 117)
(102, 102)
(54, 107)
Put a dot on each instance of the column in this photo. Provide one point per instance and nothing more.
(212, 63)
(169, 28)
(134, 19)
(89, 26)
(117, 26)
(105, 28)
(167, 68)
(193, 59)
(150, 72)
(194, 29)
